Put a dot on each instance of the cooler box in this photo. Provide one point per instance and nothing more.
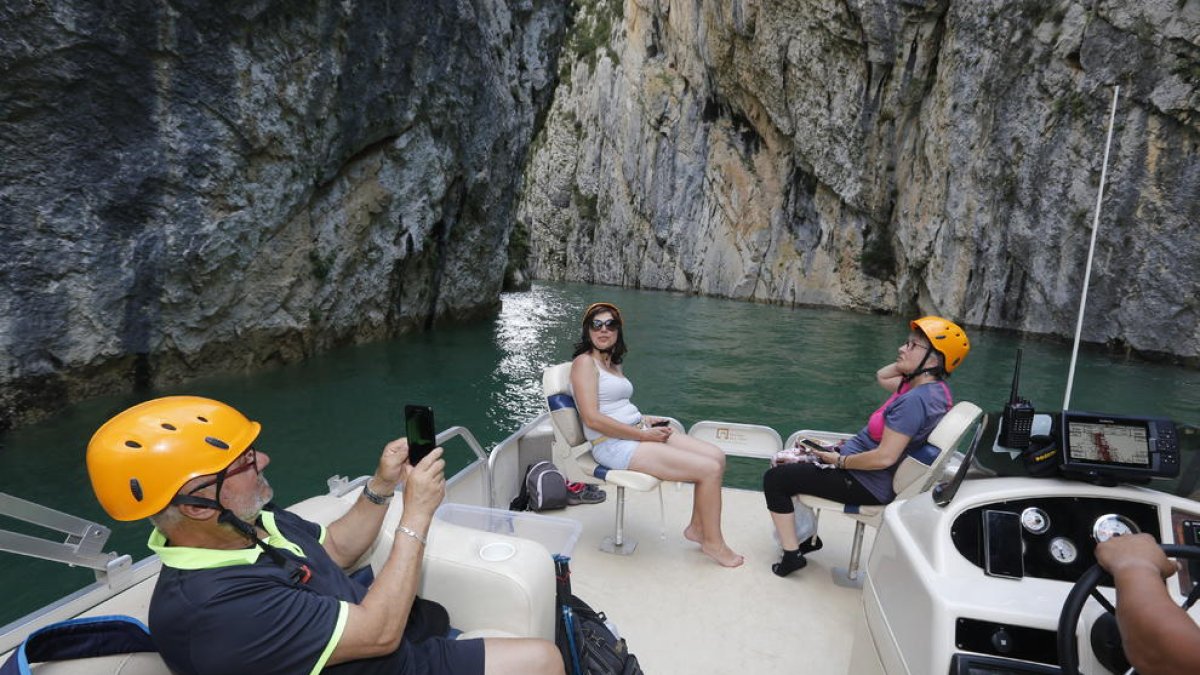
(558, 535)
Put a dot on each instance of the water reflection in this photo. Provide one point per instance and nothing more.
(691, 358)
(530, 331)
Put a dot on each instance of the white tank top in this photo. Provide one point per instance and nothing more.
(613, 393)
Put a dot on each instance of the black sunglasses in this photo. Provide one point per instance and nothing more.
(612, 324)
(248, 459)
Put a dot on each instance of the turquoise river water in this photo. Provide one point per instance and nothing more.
(690, 357)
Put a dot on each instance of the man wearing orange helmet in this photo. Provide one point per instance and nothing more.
(246, 587)
(860, 470)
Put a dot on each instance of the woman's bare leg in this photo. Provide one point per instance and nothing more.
(695, 529)
(668, 462)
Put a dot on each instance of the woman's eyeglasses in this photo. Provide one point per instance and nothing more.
(913, 344)
(611, 324)
(248, 460)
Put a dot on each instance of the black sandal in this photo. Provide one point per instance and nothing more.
(811, 544)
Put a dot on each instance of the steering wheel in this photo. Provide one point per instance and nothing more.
(1068, 647)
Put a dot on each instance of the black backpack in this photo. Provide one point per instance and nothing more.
(583, 636)
(544, 488)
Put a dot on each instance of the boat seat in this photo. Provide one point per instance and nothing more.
(519, 584)
(143, 663)
(917, 473)
(573, 454)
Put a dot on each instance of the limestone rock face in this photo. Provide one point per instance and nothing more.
(934, 156)
(190, 187)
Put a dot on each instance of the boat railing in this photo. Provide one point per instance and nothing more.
(83, 546)
(339, 486)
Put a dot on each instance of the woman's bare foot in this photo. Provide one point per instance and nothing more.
(723, 555)
(694, 533)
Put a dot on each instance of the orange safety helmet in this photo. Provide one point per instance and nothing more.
(946, 337)
(139, 459)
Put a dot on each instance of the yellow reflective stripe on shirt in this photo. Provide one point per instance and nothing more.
(338, 628)
(188, 558)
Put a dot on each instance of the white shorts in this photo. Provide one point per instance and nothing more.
(614, 453)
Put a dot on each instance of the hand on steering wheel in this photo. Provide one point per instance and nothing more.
(1068, 647)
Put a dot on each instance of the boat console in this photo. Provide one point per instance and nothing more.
(987, 567)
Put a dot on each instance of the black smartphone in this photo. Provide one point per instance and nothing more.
(418, 426)
(815, 445)
(661, 423)
(1004, 554)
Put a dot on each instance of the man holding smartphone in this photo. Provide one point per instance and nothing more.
(247, 587)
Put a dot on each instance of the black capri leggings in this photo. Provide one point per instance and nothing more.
(785, 480)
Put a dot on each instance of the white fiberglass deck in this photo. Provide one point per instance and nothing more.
(682, 613)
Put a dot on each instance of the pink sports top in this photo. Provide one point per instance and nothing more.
(875, 423)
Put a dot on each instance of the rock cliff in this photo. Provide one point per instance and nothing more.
(884, 155)
(190, 187)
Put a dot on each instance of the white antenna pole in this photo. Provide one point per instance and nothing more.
(1087, 274)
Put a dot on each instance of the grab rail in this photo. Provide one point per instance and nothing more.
(83, 546)
(341, 485)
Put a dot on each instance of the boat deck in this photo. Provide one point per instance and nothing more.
(682, 613)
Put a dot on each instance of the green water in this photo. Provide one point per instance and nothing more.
(689, 357)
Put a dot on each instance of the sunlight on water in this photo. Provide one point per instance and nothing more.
(528, 332)
(690, 357)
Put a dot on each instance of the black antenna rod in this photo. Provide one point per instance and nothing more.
(1016, 378)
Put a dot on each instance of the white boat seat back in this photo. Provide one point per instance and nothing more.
(572, 450)
(917, 472)
(573, 453)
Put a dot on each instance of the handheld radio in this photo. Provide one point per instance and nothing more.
(1017, 421)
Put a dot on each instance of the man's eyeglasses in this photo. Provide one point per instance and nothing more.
(246, 461)
(913, 344)
(611, 324)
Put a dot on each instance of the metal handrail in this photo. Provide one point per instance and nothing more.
(83, 546)
(340, 485)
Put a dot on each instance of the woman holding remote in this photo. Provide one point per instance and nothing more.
(860, 470)
(623, 438)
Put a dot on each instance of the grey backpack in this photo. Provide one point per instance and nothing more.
(546, 487)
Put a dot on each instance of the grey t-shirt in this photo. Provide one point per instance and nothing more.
(914, 413)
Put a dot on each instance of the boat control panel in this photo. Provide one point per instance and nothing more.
(1046, 537)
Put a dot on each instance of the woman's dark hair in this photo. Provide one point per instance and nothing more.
(617, 353)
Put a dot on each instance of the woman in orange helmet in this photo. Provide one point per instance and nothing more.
(860, 470)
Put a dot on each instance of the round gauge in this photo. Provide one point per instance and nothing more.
(1063, 550)
(1035, 520)
(1112, 525)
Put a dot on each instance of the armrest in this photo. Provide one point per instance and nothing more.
(508, 586)
(513, 596)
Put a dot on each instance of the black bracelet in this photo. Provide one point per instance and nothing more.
(375, 498)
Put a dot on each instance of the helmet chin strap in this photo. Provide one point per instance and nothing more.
(298, 572)
(921, 369)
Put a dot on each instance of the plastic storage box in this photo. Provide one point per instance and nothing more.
(558, 535)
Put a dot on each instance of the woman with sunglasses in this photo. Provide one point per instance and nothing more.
(623, 438)
(860, 470)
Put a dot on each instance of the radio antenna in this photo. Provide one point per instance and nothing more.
(1087, 274)
(1016, 378)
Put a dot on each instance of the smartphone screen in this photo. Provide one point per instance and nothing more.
(418, 427)
(1003, 552)
(813, 444)
(661, 423)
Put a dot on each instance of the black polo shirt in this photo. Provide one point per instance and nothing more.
(231, 612)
